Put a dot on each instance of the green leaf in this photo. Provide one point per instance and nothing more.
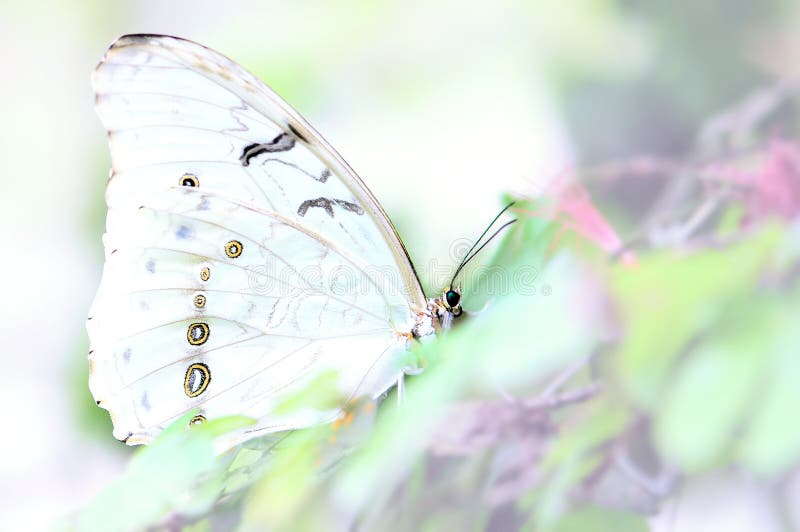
(178, 473)
(669, 298)
(709, 400)
(772, 443)
(594, 519)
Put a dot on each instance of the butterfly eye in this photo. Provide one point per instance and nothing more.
(189, 180)
(452, 298)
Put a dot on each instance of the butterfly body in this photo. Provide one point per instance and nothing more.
(244, 257)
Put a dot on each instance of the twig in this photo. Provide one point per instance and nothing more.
(566, 375)
(553, 402)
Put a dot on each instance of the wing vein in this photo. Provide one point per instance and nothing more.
(326, 243)
(211, 259)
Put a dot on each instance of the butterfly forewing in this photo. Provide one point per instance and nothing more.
(243, 257)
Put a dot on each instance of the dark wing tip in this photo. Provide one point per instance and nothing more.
(139, 38)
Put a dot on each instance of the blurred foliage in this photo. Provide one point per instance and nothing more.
(705, 365)
(690, 76)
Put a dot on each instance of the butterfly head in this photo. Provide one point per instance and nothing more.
(448, 307)
(443, 310)
(451, 300)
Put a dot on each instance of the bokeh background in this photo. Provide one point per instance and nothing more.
(443, 107)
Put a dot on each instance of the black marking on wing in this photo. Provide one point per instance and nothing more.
(296, 133)
(327, 204)
(282, 142)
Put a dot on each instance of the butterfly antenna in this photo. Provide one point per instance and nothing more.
(468, 256)
(466, 261)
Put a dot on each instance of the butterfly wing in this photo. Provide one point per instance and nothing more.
(244, 258)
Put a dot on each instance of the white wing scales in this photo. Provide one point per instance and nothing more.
(243, 257)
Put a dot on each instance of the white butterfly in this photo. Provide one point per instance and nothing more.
(244, 257)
